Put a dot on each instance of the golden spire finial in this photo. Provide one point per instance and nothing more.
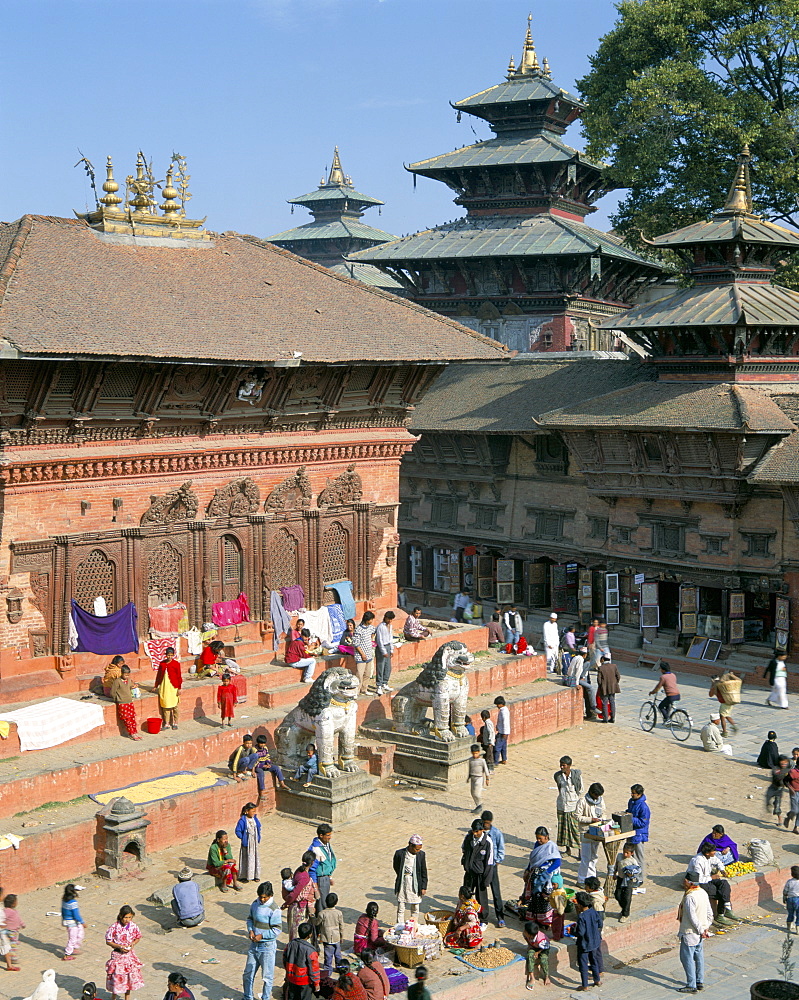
(170, 207)
(111, 199)
(511, 67)
(740, 197)
(546, 70)
(529, 64)
(336, 173)
(140, 186)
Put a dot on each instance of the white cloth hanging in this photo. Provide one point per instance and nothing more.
(195, 640)
(100, 609)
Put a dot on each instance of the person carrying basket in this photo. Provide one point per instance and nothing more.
(726, 688)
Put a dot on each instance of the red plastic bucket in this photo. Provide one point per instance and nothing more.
(153, 726)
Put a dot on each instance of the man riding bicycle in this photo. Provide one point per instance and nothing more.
(668, 684)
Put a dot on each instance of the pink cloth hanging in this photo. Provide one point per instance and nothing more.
(167, 617)
(231, 612)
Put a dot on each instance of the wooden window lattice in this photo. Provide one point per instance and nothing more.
(95, 577)
(334, 553)
(232, 566)
(163, 575)
(283, 560)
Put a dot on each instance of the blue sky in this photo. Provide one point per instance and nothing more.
(255, 93)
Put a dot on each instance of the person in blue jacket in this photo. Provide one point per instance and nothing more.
(640, 813)
(248, 830)
(589, 941)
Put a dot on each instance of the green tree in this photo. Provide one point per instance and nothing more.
(676, 88)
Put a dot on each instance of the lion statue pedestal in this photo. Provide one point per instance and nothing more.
(328, 717)
(435, 751)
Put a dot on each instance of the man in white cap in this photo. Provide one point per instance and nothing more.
(711, 737)
(187, 900)
(410, 884)
(551, 641)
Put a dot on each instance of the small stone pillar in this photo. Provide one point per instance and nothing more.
(125, 828)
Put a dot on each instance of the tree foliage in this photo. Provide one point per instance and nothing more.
(676, 88)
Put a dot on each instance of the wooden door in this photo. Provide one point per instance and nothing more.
(231, 568)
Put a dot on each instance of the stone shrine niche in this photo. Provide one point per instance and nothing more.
(163, 575)
(346, 488)
(95, 576)
(239, 497)
(283, 563)
(335, 546)
(178, 505)
(292, 494)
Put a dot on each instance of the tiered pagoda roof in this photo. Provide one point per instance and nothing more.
(337, 230)
(526, 193)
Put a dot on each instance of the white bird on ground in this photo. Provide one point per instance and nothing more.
(47, 989)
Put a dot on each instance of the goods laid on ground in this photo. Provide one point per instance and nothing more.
(740, 868)
(490, 958)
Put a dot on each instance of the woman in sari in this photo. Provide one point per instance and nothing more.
(301, 896)
(220, 863)
(546, 855)
(464, 930)
(542, 872)
(248, 830)
(123, 968)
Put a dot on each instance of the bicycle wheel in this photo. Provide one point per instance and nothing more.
(648, 716)
(681, 726)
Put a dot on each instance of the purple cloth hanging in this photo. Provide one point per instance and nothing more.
(108, 636)
(293, 598)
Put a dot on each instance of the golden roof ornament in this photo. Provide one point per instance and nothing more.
(170, 207)
(336, 177)
(529, 64)
(111, 199)
(739, 200)
(546, 70)
(511, 67)
(141, 187)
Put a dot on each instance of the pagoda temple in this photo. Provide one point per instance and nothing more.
(337, 230)
(522, 266)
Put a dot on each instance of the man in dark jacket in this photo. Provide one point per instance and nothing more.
(410, 884)
(477, 858)
(639, 810)
(607, 678)
(769, 753)
(589, 940)
(301, 962)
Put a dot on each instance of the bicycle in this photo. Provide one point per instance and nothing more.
(678, 721)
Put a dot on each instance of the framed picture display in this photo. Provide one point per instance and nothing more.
(649, 595)
(780, 641)
(485, 566)
(689, 599)
(712, 650)
(737, 604)
(737, 630)
(505, 593)
(612, 616)
(505, 571)
(611, 581)
(688, 624)
(782, 613)
(612, 598)
(485, 589)
(650, 617)
(697, 648)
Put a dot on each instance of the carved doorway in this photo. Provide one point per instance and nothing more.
(95, 577)
(231, 568)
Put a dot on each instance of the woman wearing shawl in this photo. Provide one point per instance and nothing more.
(168, 682)
(542, 872)
(368, 935)
(301, 896)
(545, 855)
(726, 848)
(464, 930)
(220, 863)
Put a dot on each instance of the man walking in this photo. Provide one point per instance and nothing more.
(263, 926)
(725, 688)
(639, 810)
(322, 869)
(410, 884)
(384, 639)
(462, 601)
(608, 685)
(477, 858)
(551, 639)
(601, 639)
(363, 641)
(503, 732)
(499, 856)
(589, 641)
(695, 916)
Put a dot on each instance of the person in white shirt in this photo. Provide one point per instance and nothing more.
(709, 871)
(503, 732)
(384, 643)
(461, 603)
(551, 638)
(590, 811)
(711, 737)
(695, 916)
(512, 623)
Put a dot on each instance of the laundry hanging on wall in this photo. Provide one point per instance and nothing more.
(231, 612)
(108, 636)
(293, 598)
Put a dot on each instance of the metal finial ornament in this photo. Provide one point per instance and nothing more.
(547, 71)
(511, 67)
(336, 177)
(111, 198)
(529, 64)
(88, 166)
(170, 207)
(179, 163)
(739, 200)
(140, 186)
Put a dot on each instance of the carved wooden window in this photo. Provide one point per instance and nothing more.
(232, 566)
(283, 560)
(163, 575)
(96, 577)
(334, 552)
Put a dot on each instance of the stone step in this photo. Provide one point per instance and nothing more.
(35, 686)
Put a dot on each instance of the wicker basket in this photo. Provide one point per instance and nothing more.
(730, 691)
(440, 918)
(409, 957)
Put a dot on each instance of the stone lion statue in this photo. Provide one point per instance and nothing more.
(444, 684)
(329, 709)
